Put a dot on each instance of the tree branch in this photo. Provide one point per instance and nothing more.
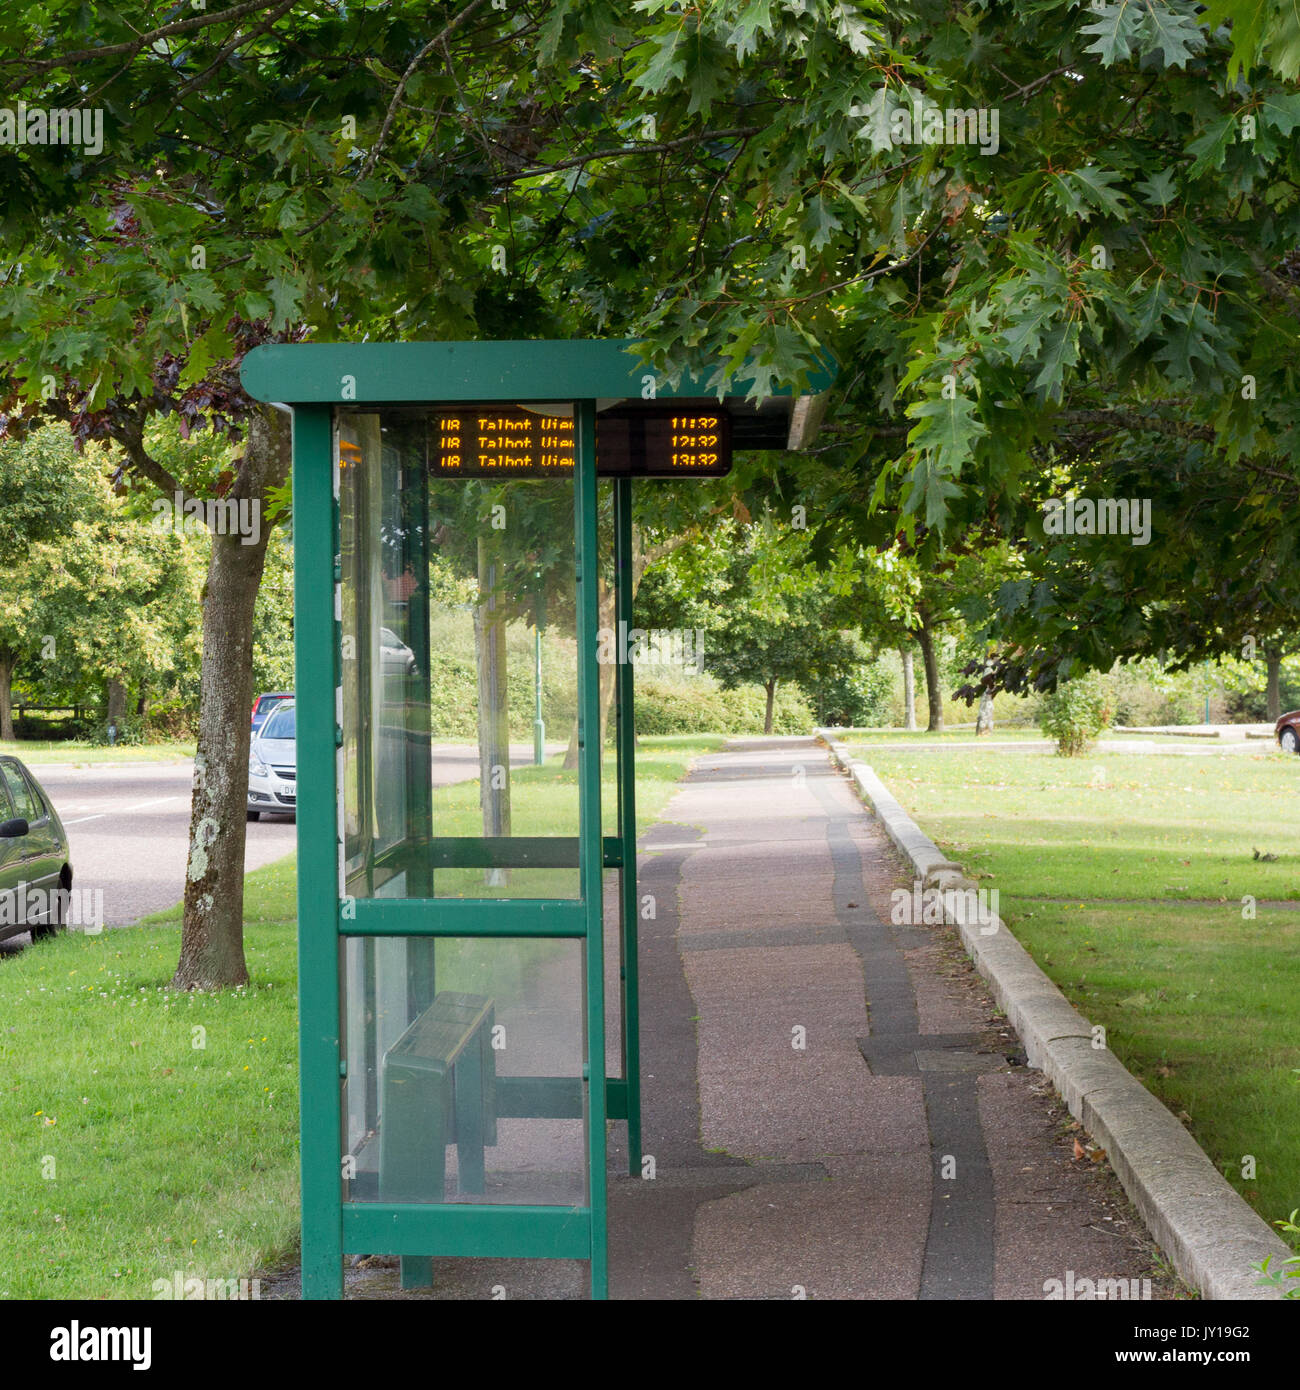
(391, 114)
(660, 148)
(133, 46)
(131, 437)
(1131, 420)
(236, 43)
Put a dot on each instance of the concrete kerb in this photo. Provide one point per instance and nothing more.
(1209, 1233)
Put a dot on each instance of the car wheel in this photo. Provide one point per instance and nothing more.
(255, 815)
(48, 929)
(1289, 740)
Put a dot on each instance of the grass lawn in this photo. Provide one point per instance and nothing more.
(144, 1132)
(1002, 734)
(66, 750)
(1201, 1003)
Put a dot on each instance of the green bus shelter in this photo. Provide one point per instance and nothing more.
(467, 984)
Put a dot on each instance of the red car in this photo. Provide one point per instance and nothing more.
(264, 704)
(1287, 732)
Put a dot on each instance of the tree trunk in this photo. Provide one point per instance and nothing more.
(771, 701)
(1274, 687)
(606, 671)
(116, 703)
(643, 557)
(933, 694)
(7, 662)
(984, 719)
(909, 689)
(212, 932)
(493, 705)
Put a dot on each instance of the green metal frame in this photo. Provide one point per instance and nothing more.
(417, 1231)
(314, 379)
(630, 1092)
(318, 671)
(590, 844)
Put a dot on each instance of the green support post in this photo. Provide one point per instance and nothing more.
(590, 847)
(317, 672)
(624, 694)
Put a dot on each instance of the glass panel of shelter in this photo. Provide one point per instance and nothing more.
(464, 1054)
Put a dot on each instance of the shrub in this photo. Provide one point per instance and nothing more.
(858, 698)
(1144, 693)
(696, 704)
(171, 721)
(130, 730)
(1075, 713)
(668, 699)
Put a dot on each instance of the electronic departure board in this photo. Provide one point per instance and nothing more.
(663, 444)
(481, 442)
(486, 441)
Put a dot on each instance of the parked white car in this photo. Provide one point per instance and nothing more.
(273, 764)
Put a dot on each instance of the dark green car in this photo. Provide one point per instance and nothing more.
(35, 868)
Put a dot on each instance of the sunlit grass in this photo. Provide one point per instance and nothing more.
(66, 750)
(144, 1131)
(1199, 999)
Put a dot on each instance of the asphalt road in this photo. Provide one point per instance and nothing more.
(128, 827)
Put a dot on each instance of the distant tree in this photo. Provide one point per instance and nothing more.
(768, 617)
(45, 489)
(96, 601)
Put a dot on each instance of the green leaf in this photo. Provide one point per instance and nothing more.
(1211, 147)
(1281, 111)
(820, 221)
(208, 348)
(1190, 340)
(1060, 350)
(1160, 189)
(1023, 336)
(757, 17)
(1082, 191)
(941, 441)
(286, 297)
(1248, 24)
(1171, 31)
(70, 346)
(254, 305)
(706, 76)
(291, 213)
(417, 202)
(1114, 31)
(667, 64)
(854, 31)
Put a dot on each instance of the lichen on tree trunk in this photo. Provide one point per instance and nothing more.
(212, 931)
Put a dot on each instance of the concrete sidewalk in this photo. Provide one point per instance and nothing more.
(833, 1109)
